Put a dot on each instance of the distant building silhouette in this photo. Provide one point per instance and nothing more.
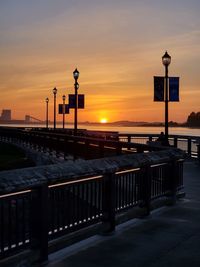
(5, 115)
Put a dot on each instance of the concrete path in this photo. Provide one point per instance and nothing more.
(169, 237)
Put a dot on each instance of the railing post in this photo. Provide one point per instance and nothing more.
(189, 146)
(86, 149)
(75, 148)
(173, 181)
(39, 222)
(129, 141)
(101, 149)
(119, 149)
(175, 141)
(198, 152)
(65, 148)
(108, 203)
(146, 189)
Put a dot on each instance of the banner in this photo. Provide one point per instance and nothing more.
(60, 109)
(81, 101)
(158, 88)
(174, 89)
(71, 101)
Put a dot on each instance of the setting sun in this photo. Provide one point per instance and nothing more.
(103, 120)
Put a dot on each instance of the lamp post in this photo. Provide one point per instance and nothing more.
(76, 86)
(54, 120)
(47, 112)
(63, 109)
(166, 60)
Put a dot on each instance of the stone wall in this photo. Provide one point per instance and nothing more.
(20, 179)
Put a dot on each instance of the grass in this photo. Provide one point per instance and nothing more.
(12, 157)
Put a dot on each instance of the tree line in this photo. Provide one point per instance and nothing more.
(194, 119)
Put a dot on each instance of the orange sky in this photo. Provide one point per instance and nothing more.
(117, 47)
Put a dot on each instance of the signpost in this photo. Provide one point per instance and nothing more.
(166, 89)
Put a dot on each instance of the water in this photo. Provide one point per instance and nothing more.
(123, 130)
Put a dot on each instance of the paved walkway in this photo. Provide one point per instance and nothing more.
(170, 237)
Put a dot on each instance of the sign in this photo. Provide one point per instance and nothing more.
(174, 89)
(72, 101)
(158, 88)
(60, 109)
(81, 101)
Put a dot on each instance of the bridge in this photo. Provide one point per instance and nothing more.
(46, 208)
(29, 118)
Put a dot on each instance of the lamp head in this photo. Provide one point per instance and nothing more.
(166, 59)
(47, 100)
(55, 90)
(76, 74)
(63, 97)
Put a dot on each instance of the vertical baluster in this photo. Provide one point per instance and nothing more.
(9, 224)
(2, 228)
(189, 146)
(39, 220)
(95, 197)
(78, 203)
(23, 220)
(109, 202)
(83, 202)
(17, 223)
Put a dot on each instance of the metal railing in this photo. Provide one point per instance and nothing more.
(62, 145)
(44, 211)
(189, 144)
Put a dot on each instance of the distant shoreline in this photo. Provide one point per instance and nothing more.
(112, 124)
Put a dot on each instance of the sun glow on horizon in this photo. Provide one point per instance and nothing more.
(103, 120)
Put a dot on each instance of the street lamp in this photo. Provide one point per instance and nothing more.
(166, 60)
(54, 120)
(63, 109)
(76, 86)
(47, 112)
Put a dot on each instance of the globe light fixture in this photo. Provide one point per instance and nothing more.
(76, 74)
(166, 59)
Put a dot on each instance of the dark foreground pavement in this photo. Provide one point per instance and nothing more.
(169, 237)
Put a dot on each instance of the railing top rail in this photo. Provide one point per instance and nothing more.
(91, 140)
(60, 134)
(157, 134)
(28, 178)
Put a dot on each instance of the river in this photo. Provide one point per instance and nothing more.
(136, 129)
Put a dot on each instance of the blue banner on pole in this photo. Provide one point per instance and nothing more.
(72, 101)
(81, 101)
(174, 89)
(60, 109)
(158, 88)
(66, 109)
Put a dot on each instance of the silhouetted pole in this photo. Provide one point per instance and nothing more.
(64, 97)
(166, 60)
(54, 118)
(47, 112)
(76, 86)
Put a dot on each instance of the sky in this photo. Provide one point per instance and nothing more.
(117, 47)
